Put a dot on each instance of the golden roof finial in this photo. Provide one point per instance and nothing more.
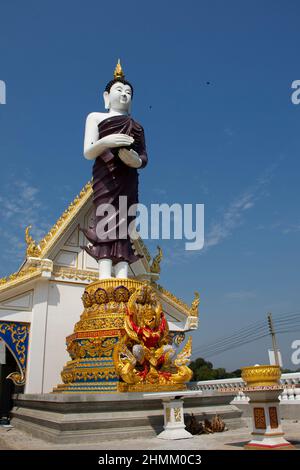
(195, 305)
(118, 73)
(32, 249)
(155, 266)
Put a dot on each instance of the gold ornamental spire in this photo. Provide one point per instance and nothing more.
(32, 248)
(155, 266)
(118, 73)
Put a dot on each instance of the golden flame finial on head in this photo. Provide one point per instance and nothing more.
(118, 73)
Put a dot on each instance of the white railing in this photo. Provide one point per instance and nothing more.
(291, 383)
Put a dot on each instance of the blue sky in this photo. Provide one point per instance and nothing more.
(232, 144)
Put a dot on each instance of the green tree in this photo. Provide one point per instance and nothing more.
(204, 370)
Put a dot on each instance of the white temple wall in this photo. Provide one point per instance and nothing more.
(12, 315)
(64, 310)
(35, 360)
(17, 307)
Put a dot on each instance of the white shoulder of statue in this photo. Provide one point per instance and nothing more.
(96, 117)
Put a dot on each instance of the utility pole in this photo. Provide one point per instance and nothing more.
(272, 333)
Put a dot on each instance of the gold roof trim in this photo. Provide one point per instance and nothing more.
(47, 242)
(155, 266)
(73, 273)
(20, 276)
(144, 249)
(32, 248)
(195, 305)
(191, 311)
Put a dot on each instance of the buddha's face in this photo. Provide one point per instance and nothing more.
(119, 97)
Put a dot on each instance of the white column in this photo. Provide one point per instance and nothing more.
(121, 270)
(284, 395)
(267, 432)
(290, 393)
(105, 266)
(37, 338)
(174, 427)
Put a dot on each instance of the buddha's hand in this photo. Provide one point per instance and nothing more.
(117, 140)
(130, 158)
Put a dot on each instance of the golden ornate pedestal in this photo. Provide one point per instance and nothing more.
(261, 376)
(95, 335)
(263, 388)
(122, 343)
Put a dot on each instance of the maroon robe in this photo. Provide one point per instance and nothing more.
(113, 178)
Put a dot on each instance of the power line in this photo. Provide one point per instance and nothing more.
(289, 331)
(289, 320)
(215, 353)
(233, 339)
(286, 313)
(232, 344)
(248, 337)
(249, 334)
(238, 344)
(252, 327)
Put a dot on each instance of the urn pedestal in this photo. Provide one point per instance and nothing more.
(263, 388)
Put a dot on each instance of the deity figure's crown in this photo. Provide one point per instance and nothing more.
(146, 296)
(118, 73)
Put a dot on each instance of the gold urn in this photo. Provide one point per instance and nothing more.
(261, 376)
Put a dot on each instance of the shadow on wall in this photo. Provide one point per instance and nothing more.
(54, 295)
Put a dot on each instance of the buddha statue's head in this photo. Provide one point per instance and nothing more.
(118, 92)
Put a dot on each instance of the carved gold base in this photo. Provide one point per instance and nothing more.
(261, 376)
(95, 335)
(86, 388)
(94, 343)
(124, 387)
